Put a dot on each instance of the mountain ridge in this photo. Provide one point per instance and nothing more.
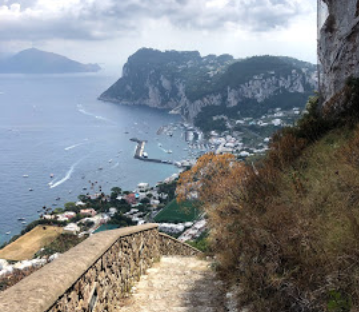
(35, 61)
(186, 82)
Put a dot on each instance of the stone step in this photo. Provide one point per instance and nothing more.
(177, 284)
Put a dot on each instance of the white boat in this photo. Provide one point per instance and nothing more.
(8, 233)
(145, 155)
(51, 175)
(25, 176)
(110, 161)
(23, 222)
(169, 152)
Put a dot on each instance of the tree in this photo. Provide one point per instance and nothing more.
(116, 190)
(71, 206)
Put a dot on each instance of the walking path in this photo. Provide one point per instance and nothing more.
(177, 284)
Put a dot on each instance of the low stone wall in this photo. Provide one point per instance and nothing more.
(94, 275)
(170, 246)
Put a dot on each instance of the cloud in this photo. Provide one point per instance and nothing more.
(106, 19)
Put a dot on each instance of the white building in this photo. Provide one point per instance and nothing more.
(72, 228)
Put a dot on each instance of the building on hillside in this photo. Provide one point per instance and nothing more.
(131, 199)
(88, 212)
(72, 228)
(112, 211)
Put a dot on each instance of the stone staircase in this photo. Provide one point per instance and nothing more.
(176, 284)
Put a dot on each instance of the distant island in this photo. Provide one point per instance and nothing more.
(34, 61)
(200, 88)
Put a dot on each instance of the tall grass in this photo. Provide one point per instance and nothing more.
(286, 229)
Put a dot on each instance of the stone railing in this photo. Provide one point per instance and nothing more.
(94, 275)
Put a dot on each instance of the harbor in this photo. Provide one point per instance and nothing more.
(142, 155)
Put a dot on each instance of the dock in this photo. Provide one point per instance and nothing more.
(140, 149)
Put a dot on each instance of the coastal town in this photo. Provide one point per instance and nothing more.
(96, 211)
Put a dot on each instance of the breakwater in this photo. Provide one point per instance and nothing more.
(140, 153)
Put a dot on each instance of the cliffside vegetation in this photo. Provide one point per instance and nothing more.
(189, 83)
(285, 229)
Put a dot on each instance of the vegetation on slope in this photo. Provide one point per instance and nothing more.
(178, 212)
(286, 228)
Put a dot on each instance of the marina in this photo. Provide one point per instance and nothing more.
(142, 155)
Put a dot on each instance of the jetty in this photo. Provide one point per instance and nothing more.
(140, 150)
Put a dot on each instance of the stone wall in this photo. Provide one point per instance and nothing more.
(172, 247)
(338, 48)
(95, 275)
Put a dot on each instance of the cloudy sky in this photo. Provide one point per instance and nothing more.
(108, 31)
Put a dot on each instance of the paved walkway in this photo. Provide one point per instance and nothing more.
(177, 284)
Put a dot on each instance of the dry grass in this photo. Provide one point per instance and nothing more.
(27, 245)
(287, 228)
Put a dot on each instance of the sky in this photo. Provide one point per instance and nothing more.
(109, 31)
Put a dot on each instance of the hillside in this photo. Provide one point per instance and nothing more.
(285, 228)
(34, 61)
(186, 83)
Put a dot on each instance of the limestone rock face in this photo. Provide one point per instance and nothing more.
(185, 82)
(339, 45)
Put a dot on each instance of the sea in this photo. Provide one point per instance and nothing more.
(54, 125)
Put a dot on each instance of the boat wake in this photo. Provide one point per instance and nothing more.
(73, 146)
(66, 177)
(81, 109)
(115, 166)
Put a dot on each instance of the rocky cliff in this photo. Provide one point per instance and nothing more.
(185, 82)
(339, 45)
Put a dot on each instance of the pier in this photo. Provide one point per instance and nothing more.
(139, 152)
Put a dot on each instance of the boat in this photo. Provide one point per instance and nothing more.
(57, 198)
(23, 222)
(8, 233)
(169, 152)
(100, 168)
(84, 188)
(30, 189)
(21, 219)
(145, 155)
(25, 176)
(110, 161)
(51, 175)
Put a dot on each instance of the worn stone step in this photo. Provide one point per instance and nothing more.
(178, 284)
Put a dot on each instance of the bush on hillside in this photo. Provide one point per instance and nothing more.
(286, 228)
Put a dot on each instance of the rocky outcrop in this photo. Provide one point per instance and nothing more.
(185, 82)
(339, 45)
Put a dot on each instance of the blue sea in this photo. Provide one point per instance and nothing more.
(55, 125)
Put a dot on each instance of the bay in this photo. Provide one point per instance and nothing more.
(55, 125)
